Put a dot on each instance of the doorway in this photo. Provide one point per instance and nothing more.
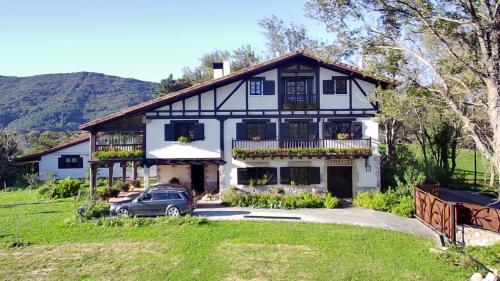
(340, 181)
(198, 178)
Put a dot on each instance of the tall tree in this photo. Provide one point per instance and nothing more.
(243, 57)
(458, 43)
(170, 85)
(8, 149)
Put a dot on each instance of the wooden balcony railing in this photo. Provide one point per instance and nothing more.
(119, 147)
(321, 148)
(292, 144)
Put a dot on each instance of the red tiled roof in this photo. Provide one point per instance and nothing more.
(37, 156)
(235, 76)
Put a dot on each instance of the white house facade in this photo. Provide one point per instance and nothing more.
(294, 122)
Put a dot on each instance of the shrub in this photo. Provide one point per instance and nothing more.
(404, 208)
(141, 221)
(275, 201)
(93, 210)
(331, 202)
(135, 184)
(61, 189)
(109, 193)
(122, 186)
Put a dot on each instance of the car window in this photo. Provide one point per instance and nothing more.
(146, 197)
(175, 196)
(160, 196)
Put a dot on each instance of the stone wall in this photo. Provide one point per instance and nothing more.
(471, 236)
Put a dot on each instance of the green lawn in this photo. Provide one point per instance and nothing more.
(215, 251)
(465, 165)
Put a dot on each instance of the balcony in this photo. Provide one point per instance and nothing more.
(300, 102)
(118, 145)
(320, 148)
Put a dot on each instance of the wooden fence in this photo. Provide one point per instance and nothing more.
(443, 216)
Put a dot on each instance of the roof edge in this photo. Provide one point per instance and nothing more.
(37, 156)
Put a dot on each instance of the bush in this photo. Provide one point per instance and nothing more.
(390, 201)
(141, 221)
(135, 184)
(93, 210)
(122, 186)
(61, 189)
(109, 193)
(276, 201)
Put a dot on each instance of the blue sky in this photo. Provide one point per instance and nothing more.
(146, 40)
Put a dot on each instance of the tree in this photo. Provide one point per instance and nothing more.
(243, 57)
(456, 42)
(8, 149)
(170, 85)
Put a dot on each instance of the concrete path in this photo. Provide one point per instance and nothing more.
(347, 215)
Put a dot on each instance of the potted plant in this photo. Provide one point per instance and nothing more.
(256, 138)
(342, 136)
(184, 139)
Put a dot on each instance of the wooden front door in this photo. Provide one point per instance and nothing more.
(340, 181)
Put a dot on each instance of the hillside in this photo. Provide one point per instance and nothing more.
(61, 102)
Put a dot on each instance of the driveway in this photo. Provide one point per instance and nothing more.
(346, 215)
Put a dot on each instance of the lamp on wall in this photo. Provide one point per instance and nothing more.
(368, 167)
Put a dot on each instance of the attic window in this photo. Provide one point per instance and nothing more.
(256, 87)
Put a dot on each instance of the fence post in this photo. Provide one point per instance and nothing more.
(453, 223)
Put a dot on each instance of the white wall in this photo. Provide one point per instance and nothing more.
(265, 101)
(49, 164)
(331, 101)
(158, 148)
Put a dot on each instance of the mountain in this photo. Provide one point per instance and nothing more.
(61, 102)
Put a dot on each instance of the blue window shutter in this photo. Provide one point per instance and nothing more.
(327, 130)
(313, 131)
(199, 131)
(284, 131)
(328, 87)
(268, 87)
(170, 132)
(60, 163)
(314, 175)
(309, 86)
(271, 131)
(241, 131)
(357, 130)
(285, 175)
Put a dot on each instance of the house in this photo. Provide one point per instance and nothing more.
(294, 122)
(69, 160)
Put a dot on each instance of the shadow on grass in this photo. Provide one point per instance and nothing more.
(6, 206)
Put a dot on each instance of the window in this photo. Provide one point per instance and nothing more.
(340, 85)
(300, 175)
(299, 130)
(256, 87)
(160, 196)
(189, 129)
(145, 197)
(184, 130)
(343, 130)
(257, 176)
(174, 196)
(70, 162)
(256, 131)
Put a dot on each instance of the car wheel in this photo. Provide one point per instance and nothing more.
(173, 211)
(122, 212)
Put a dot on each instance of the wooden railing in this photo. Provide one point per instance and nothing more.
(479, 216)
(119, 147)
(435, 212)
(291, 144)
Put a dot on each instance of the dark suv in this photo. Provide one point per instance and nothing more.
(157, 201)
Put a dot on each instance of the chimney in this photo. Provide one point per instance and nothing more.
(221, 69)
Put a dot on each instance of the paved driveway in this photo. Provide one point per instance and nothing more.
(346, 215)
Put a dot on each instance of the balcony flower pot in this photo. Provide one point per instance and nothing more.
(343, 136)
(256, 139)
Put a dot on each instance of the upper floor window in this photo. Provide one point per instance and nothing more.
(70, 162)
(184, 131)
(256, 87)
(256, 131)
(337, 86)
(299, 130)
(343, 130)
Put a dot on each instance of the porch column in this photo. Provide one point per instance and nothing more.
(93, 181)
(124, 171)
(146, 176)
(134, 166)
(110, 174)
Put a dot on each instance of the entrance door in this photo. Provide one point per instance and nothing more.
(340, 181)
(198, 178)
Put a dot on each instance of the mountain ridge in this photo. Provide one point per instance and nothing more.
(62, 101)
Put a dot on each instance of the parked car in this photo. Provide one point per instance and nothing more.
(156, 201)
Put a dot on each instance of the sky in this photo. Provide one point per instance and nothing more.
(145, 40)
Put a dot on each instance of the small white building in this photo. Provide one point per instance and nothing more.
(294, 122)
(69, 160)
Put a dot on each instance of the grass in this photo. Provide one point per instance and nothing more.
(241, 250)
